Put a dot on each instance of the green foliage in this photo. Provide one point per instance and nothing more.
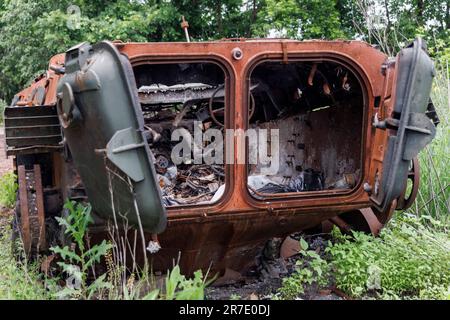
(79, 259)
(300, 19)
(8, 189)
(32, 31)
(434, 193)
(395, 23)
(407, 260)
(2, 110)
(177, 287)
(19, 280)
(311, 269)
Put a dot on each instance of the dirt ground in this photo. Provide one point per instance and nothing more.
(266, 278)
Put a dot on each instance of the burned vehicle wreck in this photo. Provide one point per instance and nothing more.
(167, 139)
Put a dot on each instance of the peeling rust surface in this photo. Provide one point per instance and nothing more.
(32, 216)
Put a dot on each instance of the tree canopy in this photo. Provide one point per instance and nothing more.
(32, 31)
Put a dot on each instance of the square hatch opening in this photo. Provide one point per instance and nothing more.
(177, 101)
(314, 111)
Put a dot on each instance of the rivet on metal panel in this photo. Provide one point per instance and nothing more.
(237, 54)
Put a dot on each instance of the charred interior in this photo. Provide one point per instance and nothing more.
(318, 110)
(190, 97)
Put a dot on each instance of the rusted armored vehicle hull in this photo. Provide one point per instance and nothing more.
(102, 125)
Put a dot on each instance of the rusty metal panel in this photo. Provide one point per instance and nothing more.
(39, 207)
(32, 215)
(24, 216)
(32, 130)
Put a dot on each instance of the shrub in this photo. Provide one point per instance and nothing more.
(114, 284)
(79, 259)
(19, 279)
(310, 269)
(2, 109)
(8, 189)
(407, 260)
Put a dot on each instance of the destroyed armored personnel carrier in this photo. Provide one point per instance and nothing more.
(102, 124)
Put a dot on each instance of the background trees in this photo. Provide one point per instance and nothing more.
(32, 31)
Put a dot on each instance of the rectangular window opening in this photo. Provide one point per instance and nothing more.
(313, 114)
(183, 105)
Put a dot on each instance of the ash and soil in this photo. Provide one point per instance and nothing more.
(266, 278)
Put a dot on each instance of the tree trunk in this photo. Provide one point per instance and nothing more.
(253, 18)
(388, 15)
(419, 12)
(219, 18)
(447, 15)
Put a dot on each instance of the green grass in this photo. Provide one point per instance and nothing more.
(2, 109)
(434, 194)
(8, 188)
(18, 280)
(22, 280)
(410, 259)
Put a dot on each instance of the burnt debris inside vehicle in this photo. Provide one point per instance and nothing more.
(181, 97)
(318, 109)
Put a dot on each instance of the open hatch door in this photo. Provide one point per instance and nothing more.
(410, 129)
(103, 127)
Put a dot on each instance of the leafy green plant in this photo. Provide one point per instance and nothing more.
(434, 193)
(178, 287)
(311, 269)
(79, 259)
(8, 189)
(2, 109)
(19, 279)
(175, 286)
(409, 259)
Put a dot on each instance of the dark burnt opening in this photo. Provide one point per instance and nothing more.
(178, 99)
(318, 109)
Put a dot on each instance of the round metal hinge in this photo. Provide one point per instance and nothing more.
(68, 112)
